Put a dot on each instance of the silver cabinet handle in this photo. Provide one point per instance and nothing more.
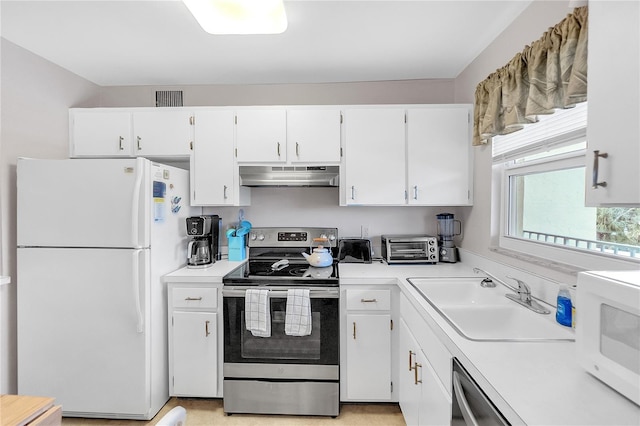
(415, 192)
(596, 155)
(297, 149)
(224, 192)
(354, 331)
(353, 192)
(120, 140)
(193, 298)
(206, 329)
(368, 300)
(278, 149)
(468, 416)
(138, 139)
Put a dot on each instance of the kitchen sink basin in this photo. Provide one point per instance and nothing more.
(485, 314)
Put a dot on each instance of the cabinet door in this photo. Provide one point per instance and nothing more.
(368, 357)
(438, 155)
(313, 135)
(162, 133)
(195, 360)
(214, 172)
(435, 402)
(100, 134)
(410, 390)
(614, 104)
(375, 156)
(261, 135)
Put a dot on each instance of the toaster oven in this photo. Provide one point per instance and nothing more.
(409, 248)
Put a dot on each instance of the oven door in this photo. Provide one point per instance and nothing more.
(320, 348)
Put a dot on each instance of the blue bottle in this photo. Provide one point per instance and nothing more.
(563, 309)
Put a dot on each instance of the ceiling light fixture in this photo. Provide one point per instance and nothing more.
(239, 16)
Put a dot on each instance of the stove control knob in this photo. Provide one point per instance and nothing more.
(261, 237)
(323, 236)
(253, 236)
(332, 237)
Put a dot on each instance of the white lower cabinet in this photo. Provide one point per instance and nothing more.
(424, 398)
(195, 340)
(367, 370)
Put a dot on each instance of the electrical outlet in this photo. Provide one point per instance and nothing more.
(364, 231)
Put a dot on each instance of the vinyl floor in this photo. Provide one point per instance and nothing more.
(204, 412)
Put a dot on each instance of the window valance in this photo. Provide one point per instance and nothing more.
(551, 73)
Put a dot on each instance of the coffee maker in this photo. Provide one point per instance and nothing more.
(204, 247)
(446, 231)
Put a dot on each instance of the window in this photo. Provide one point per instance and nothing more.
(543, 193)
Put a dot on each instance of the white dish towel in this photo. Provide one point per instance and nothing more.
(257, 315)
(297, 321)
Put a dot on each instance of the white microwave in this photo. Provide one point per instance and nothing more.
(608, 328)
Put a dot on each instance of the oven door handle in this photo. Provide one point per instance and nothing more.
(313, 293)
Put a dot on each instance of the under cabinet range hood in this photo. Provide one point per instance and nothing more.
(289, 175)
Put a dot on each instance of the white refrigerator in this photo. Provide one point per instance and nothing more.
(95, 237)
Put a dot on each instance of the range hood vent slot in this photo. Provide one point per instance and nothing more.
(321, 176)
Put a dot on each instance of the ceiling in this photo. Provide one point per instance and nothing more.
(116, 43)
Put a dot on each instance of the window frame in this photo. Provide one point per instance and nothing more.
(548, 254)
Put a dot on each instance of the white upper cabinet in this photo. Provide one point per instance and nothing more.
(614, 104)
(214, 173)
(313, 135)
(261, 135)
(162, 133)
(438, 155)
(99, 133)
(374, 156)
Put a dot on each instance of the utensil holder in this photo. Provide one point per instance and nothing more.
(237, 248)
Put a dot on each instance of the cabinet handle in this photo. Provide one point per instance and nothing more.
(224, 192)
(368, 300)
(120, 140)
(415, 372)
(193, 298)
(353, 192)
(415, 192)
(138, 139)
(354, 330)
(596, 155)
(278, 149)
(297, 149)
(191, 145)
(206, 329)
(411, 354)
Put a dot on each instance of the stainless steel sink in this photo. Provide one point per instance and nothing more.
(485, 314)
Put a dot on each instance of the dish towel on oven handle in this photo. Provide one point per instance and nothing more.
(297, 321)
(257, 316)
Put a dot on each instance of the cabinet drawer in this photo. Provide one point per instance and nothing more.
(195, 297)
(369, 300)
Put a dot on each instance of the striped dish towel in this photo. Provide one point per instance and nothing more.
(257, 316)
(297, 321)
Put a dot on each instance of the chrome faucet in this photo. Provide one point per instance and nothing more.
(523, 292)
(523, 297)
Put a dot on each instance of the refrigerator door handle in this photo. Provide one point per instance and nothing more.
(135, 203)
(136, 290)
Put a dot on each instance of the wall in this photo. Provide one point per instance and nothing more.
(481, 224)
(36, 95)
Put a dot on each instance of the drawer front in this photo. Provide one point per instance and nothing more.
(194, 297)
(368, 300)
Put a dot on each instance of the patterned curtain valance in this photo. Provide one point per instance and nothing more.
(549, 74)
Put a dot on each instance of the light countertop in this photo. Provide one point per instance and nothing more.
(536, 383)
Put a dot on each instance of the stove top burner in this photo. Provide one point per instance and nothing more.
(261, 272)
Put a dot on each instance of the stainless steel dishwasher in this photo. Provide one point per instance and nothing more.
(471, 406)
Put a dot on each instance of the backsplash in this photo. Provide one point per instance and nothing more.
(319, 207)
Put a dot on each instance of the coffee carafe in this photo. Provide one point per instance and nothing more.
(446, 232)
(203, 247)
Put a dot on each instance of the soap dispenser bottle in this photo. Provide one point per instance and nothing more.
(563, 309)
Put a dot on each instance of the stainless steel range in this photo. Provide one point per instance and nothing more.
(267, 368)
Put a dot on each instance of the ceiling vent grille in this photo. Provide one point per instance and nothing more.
(169, 98)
